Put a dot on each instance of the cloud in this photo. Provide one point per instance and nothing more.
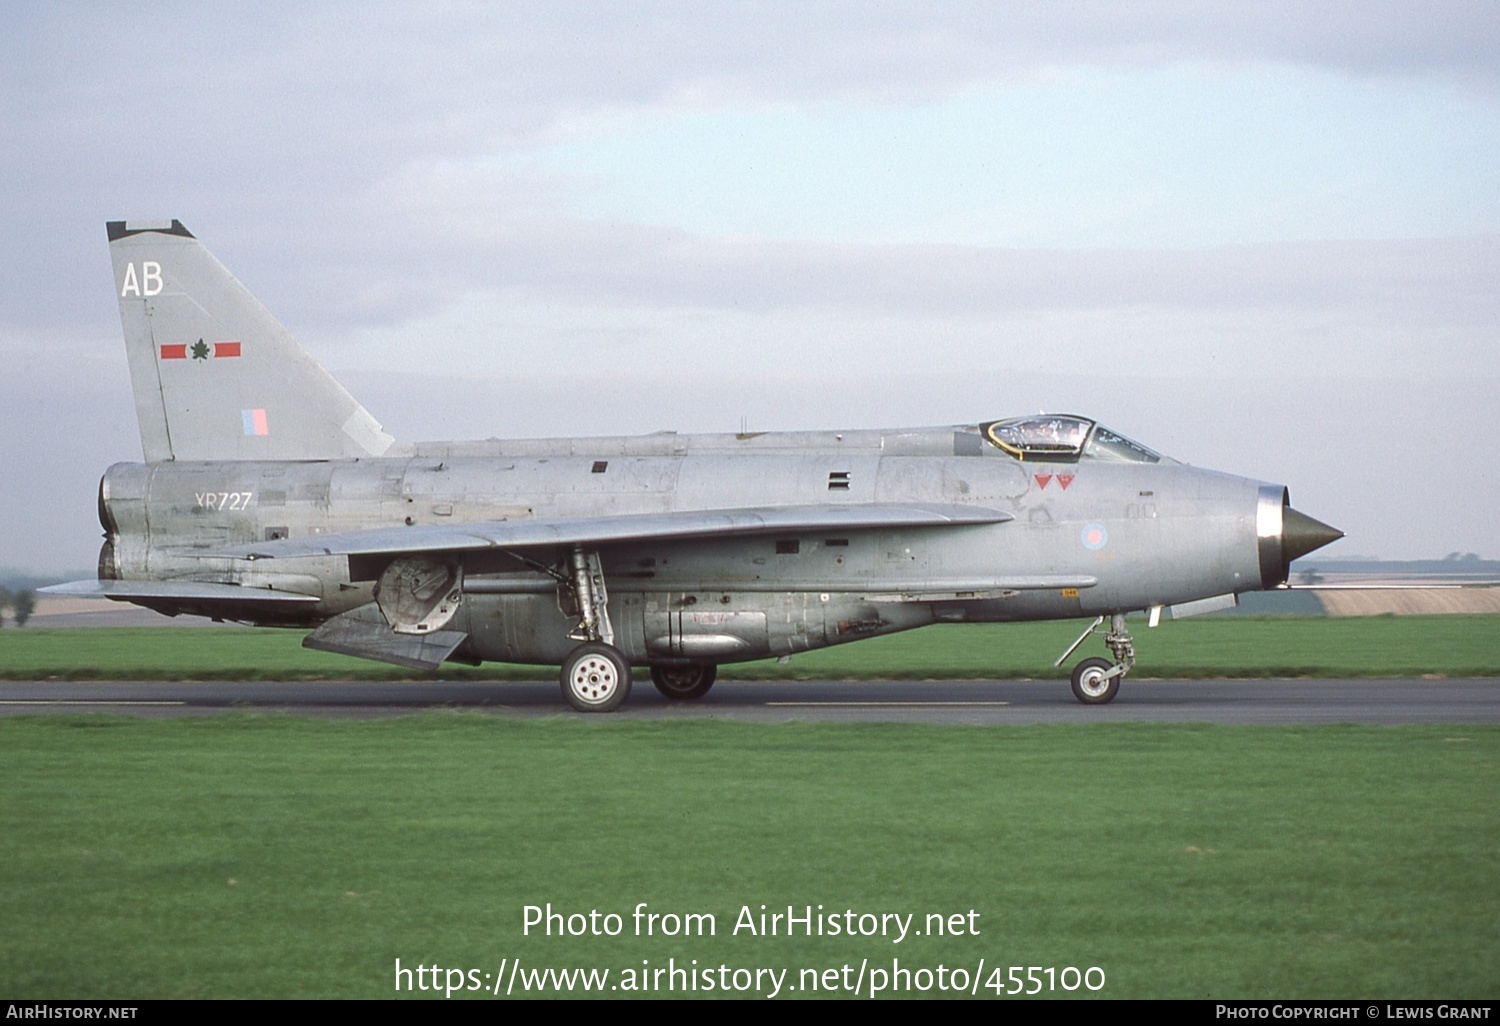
(416, 264)
(366, 169)
(352, 145)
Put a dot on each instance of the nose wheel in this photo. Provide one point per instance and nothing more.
(1097, 681)
(1093, 683)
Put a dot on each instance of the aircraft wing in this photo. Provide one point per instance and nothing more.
(532, 533)
(198, 591)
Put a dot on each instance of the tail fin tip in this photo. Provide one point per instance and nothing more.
(122, 229)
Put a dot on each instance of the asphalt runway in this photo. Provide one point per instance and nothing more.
(1385, 702)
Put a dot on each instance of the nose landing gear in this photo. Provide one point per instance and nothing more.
(1097, 681)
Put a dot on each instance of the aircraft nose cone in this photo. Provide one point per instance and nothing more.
(1301, 534)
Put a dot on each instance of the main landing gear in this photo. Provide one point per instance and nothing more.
(683, 683)
(595, 678)
(596, 675)
(1097, 681)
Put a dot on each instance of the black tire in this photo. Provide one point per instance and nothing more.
(684, 683)
(595, 678)
(1089, 682)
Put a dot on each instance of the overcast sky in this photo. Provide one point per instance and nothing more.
(1263, 238)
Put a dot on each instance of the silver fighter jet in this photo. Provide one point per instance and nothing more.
(269, 495)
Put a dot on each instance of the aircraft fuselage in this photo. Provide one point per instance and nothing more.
(1087, 537)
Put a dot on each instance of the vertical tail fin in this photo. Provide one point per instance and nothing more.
(216, 377)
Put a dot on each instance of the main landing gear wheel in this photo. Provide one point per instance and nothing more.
(595, 678)
(681, 683)
(1092, 684)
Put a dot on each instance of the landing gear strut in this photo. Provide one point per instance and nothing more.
(1097, 681)
(596, 675)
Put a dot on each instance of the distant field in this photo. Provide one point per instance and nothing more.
(1450, 646)
(276, 856)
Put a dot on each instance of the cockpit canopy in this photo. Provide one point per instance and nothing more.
(1064, 438)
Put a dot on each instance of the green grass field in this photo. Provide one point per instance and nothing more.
(268, 856)
(1450, 646)
(271, 856)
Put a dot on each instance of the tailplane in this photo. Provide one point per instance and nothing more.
(216, 377)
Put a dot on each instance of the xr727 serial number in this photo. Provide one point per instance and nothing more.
(224, 500)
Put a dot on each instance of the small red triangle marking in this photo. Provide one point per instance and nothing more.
(1064, 480)
(1042, 480)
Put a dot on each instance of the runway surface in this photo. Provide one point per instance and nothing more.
(1388, 702)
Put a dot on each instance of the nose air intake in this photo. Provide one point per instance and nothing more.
(1284, 534)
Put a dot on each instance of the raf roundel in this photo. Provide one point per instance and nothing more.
(1095, 537)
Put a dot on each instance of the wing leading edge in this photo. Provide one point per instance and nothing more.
(631, 527)
(197, 591)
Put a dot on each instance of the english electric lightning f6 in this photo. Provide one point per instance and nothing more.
(269, 495)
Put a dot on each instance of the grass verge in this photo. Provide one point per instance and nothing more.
(266, 856)
(1449, 646)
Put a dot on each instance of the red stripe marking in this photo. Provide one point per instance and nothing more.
(174, 352)
(226, 349)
